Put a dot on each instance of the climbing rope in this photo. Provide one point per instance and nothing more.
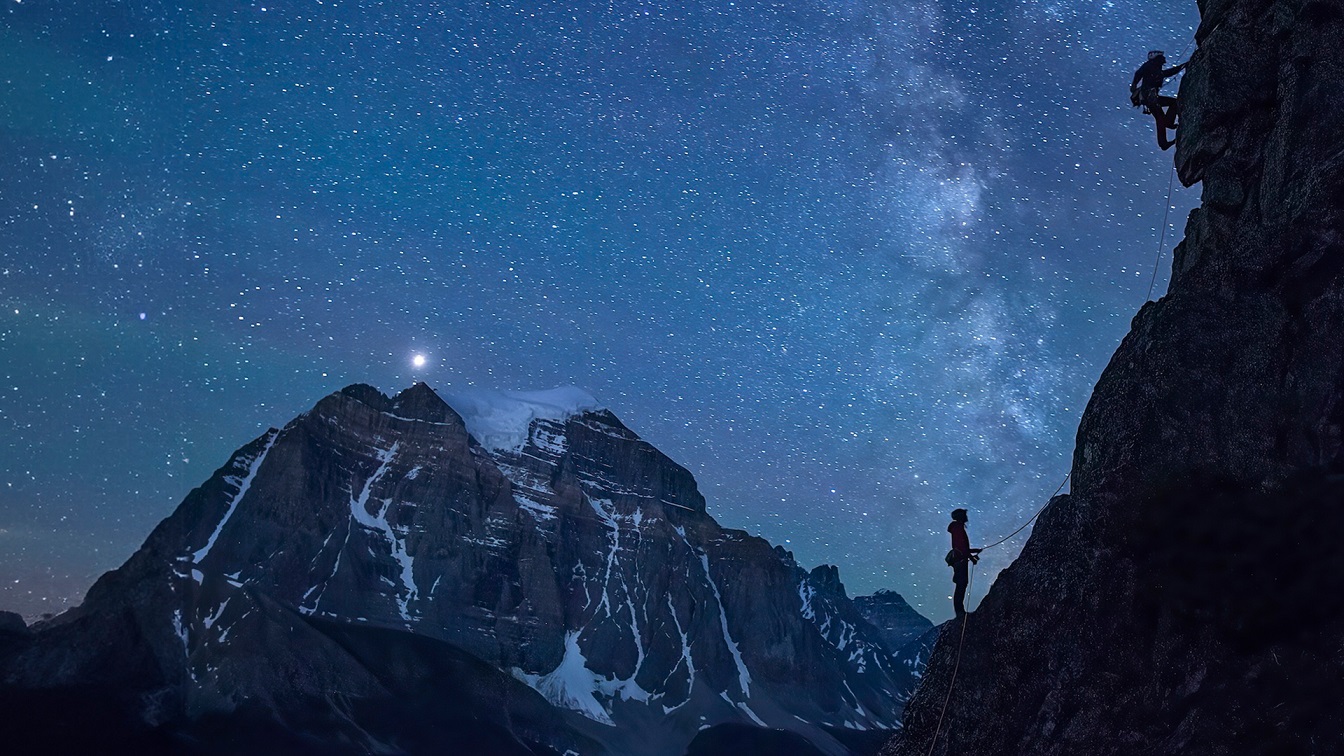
(1191, 43)
(1033, 517)
(1162, 241)
(1166, 209)
(970, 579)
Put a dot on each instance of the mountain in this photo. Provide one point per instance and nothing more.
(896, 621)
(388, 574)
(1184, 597)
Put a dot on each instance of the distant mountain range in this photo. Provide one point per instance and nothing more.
(392, 575)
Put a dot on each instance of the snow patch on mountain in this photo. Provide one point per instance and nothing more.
(499, 420)
(743, 675)
(243, 485)
(571, 685)
(359, 510)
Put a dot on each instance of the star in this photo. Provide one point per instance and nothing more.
(877, 249)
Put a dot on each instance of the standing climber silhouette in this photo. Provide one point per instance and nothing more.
(1144, 91)
(960, 557)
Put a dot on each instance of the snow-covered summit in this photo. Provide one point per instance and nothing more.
(499, 420)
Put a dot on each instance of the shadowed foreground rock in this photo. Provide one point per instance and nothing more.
(1185, 597)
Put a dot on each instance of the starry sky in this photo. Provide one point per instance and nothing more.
(852, 263)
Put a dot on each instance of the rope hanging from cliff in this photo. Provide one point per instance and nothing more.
(1038, 512)
(970, 576)
(1166, 210)
(1162, 241)
(1191, 43)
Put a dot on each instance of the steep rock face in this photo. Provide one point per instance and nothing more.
(566, 554)
(1182, 598)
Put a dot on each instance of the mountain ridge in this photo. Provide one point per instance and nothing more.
(580, 564)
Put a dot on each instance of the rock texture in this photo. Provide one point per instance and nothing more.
(1184, 597)
(562, 587)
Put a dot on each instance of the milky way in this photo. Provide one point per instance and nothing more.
(853, 264)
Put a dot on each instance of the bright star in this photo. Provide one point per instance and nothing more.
(418, 360)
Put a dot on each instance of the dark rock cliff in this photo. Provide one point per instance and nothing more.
(1184, 597)
(557, 585)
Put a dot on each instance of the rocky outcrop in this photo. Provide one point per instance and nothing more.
(1182, 598)
(12, 624)
(534, 548)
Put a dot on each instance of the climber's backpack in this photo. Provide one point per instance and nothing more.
(952, 558)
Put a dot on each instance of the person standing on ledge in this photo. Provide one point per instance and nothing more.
(960, 558)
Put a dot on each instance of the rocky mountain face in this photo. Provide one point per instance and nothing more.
(388, 575)
(896, 621)
(1184, 597)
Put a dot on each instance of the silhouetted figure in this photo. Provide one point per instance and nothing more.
(961, 557)
(1144, 91)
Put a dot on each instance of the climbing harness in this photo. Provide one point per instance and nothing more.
(970, 579)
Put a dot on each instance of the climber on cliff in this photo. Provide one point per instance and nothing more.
(960, 557)
(1144, 92)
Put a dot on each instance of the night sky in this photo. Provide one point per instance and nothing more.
(854, 264)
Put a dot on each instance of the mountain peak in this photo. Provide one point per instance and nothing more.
(572, 587)
(827, 576)
(366, 394)
(897, 621)
(420, 402)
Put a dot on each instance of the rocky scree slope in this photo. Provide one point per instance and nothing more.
(1184, 597)
(374, 577)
